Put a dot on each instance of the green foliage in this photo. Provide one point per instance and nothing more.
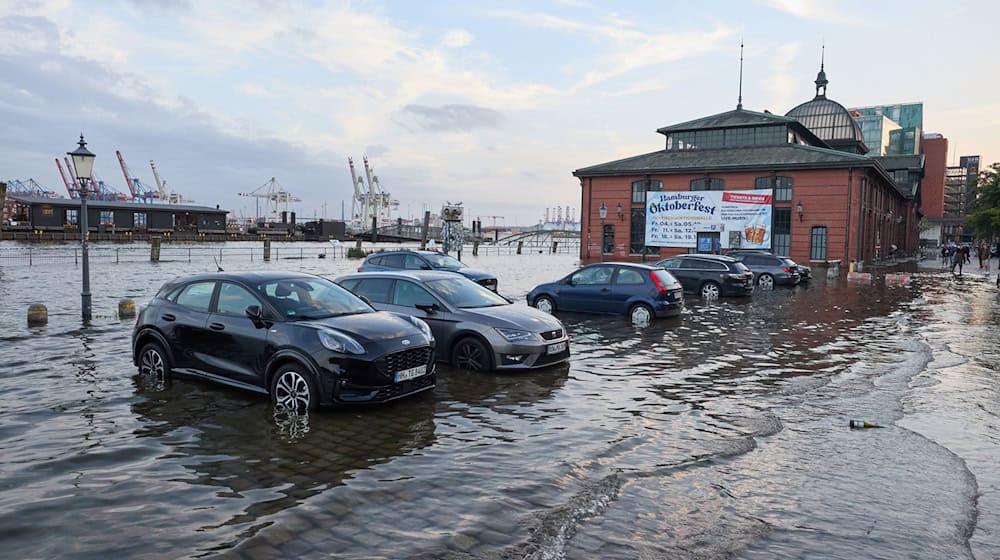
(984, 214)
(923, 225)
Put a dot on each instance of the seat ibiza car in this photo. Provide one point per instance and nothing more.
(640, 292)
(425, 260)
(710, 276)
(301, 339)
(474, 328)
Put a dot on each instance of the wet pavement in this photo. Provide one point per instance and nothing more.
(719, 434)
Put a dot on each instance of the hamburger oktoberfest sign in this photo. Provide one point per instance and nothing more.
(742, 219)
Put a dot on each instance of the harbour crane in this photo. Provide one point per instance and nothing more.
(71, 187)
(275, 195)
(30, 187)
(140, 192)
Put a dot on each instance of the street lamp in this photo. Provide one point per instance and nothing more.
(603, 211)
(83, 163)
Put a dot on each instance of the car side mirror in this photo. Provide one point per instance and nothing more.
(569, 281)
(255, 314)
(428, 308)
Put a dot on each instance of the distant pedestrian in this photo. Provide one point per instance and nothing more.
(958, 259)
(966, 252)
(432, 245)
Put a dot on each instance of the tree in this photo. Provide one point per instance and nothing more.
(984, 215)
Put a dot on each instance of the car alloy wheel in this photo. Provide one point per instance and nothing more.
(641, 315)
(471, 354)
(710, 290)
(766, 281)
(545, 303)
(292, 391)
(153, 362)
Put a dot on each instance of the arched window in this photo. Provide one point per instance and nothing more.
(782, 186)
(640, 187)
(708, 185)
(817, 244)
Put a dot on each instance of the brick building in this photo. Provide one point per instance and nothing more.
(830, 200)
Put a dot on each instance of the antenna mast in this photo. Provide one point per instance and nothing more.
(739, 101)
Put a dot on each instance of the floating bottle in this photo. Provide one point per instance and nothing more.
(862, 424)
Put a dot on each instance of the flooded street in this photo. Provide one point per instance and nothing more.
(719, 434)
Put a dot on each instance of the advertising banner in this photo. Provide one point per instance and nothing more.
(708, 220)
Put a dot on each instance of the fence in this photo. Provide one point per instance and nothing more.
(66, 254)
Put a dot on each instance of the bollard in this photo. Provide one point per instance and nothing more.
(38, 315)
(520, 245)
(154, 249)
(267, 249)
(555, 247)
(126, 308)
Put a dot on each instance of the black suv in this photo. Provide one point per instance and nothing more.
(805, 272)
(711, 276)
(769, 270)
(301, 339)
(425, 260)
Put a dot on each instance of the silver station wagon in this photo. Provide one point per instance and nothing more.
(475, 328)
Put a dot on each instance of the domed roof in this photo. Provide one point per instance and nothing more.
(829, 120)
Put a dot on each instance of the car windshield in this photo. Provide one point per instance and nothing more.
(311, 298)
(444, 261)
(464, 293)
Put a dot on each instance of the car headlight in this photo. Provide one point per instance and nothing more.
(422, 325)
(339, 342)
(515, 335)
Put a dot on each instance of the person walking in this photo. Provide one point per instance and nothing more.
(957, 259)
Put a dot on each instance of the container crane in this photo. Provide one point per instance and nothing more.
(275, 195)
(30, 187)
(140, 192)
(71, 186)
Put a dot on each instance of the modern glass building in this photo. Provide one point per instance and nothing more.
(901, 124)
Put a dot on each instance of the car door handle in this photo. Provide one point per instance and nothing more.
(217, 326)
(605, 289)
(168, 317)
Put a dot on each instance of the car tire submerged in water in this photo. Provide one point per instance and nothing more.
(293, 390)
(765, 281)
(641, 314)
(469, 353)
(710, 290)
(545, 303)
(153, 361)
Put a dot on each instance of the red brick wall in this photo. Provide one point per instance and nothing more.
(932, 187)
(822, 192)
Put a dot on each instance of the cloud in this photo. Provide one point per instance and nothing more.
(816, 10)
(448, 118)
(780, 82)
(629, 48)
(457, 38)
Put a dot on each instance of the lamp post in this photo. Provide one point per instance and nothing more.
(83, 162)
(603, 211)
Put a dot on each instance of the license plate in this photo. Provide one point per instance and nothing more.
(557, 348)
(410, 373)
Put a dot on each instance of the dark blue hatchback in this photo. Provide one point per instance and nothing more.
(639, 291)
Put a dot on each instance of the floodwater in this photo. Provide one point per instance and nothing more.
(719, 434)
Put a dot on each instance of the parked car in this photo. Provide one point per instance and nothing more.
(641, 292)
(301, 339)
(805, 272)
(770, 270)
(710, 276)
(425, 260)
(475, 328)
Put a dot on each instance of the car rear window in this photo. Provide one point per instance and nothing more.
(664, 277)
(740, 268)
(789, 262)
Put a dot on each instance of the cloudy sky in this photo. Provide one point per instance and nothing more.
(489, 103)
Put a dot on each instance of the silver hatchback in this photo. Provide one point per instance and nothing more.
(474, 327)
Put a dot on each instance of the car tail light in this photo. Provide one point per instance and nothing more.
(656, 282)
(786, 269)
